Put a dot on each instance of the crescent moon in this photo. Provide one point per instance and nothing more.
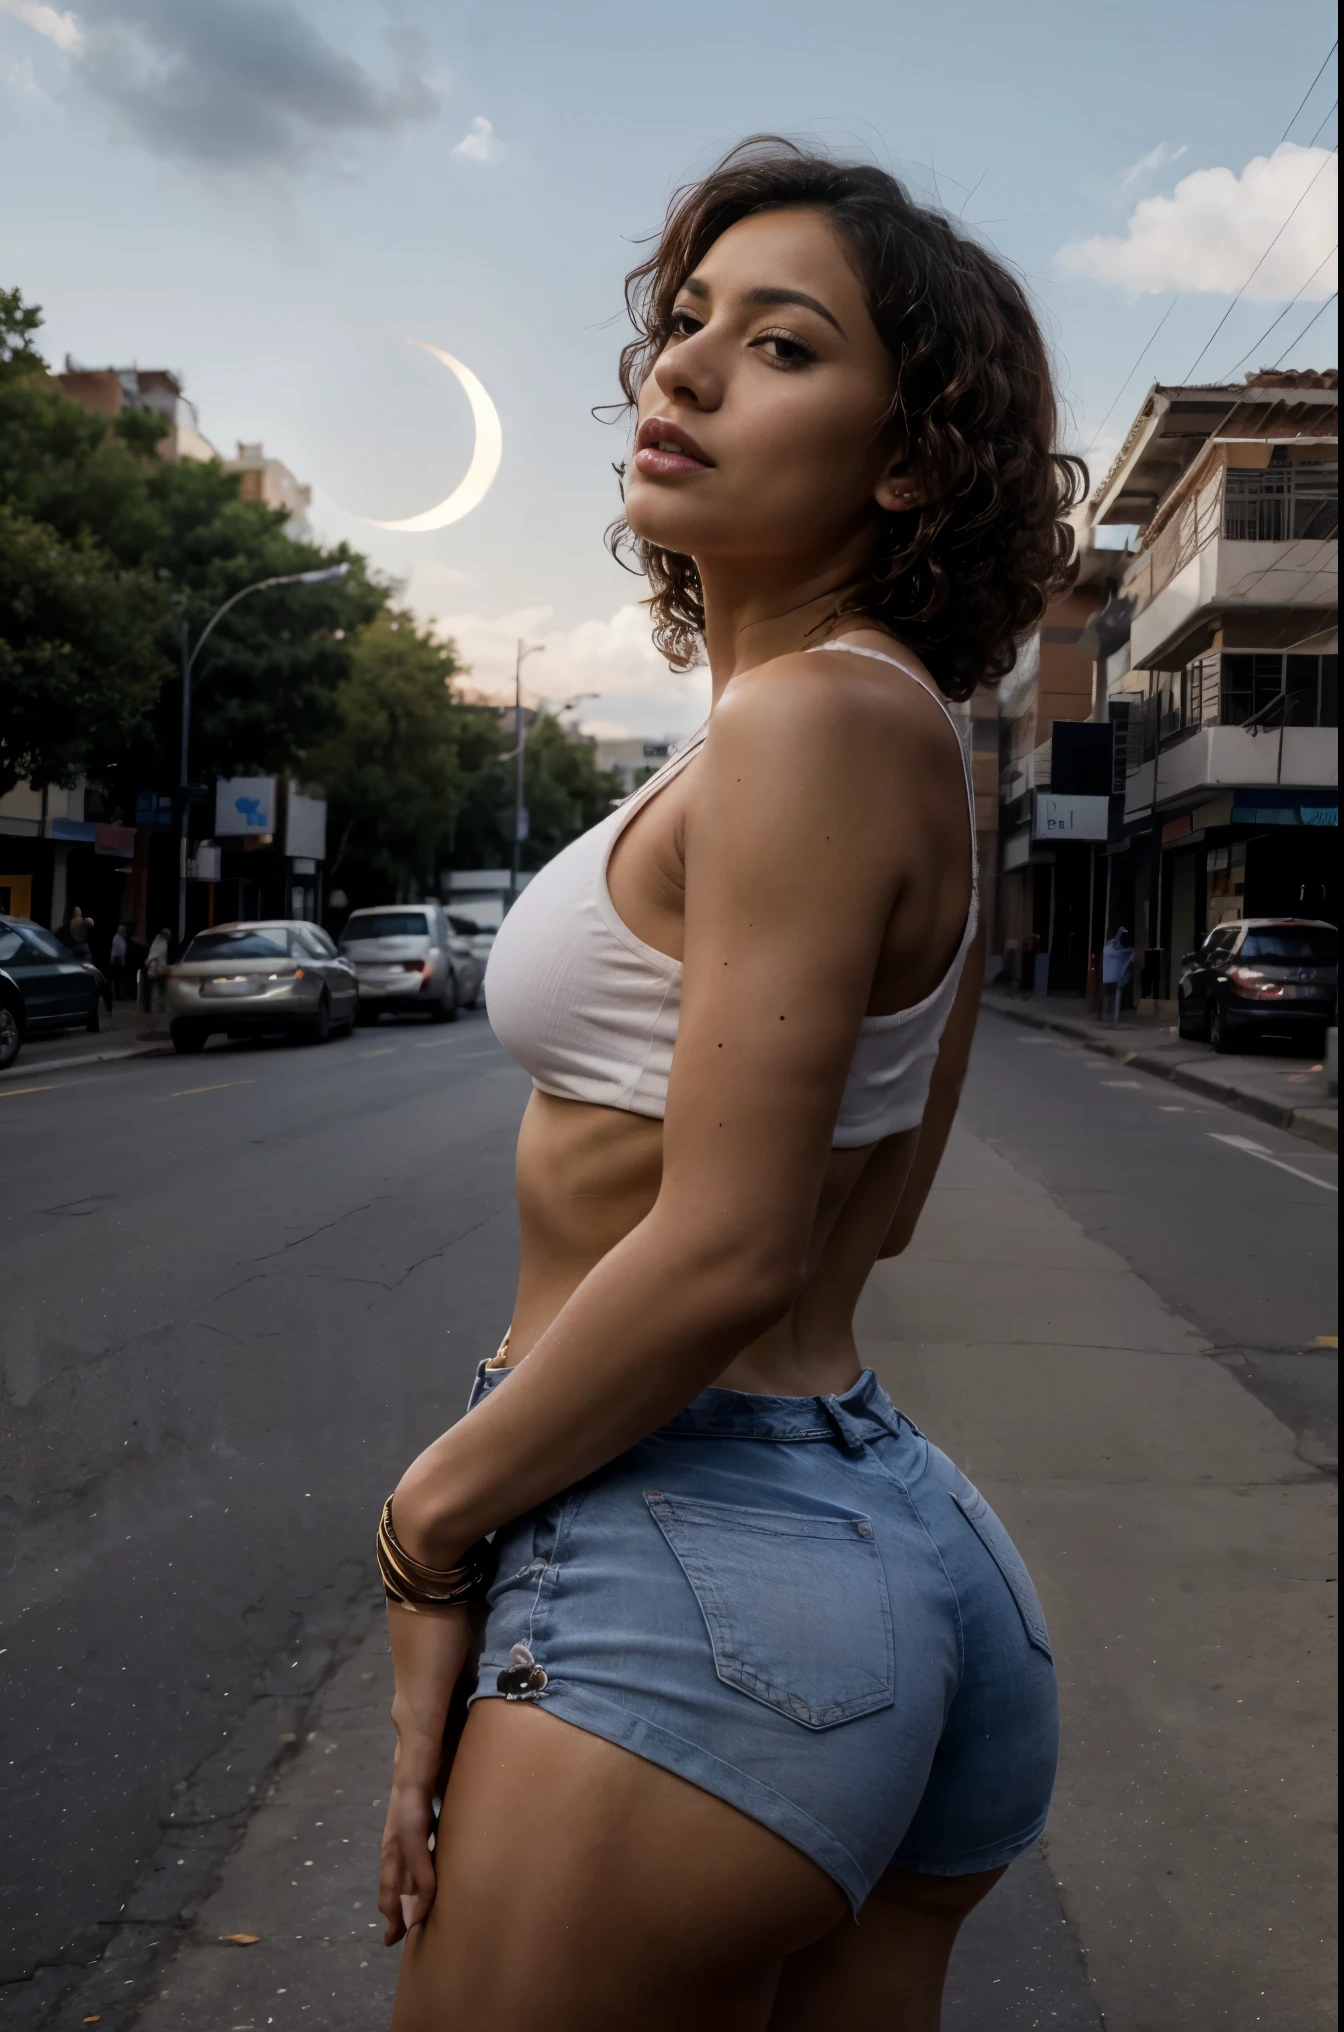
(476, 482)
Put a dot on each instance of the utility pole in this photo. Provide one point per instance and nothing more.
(326, 575)
(525, 649)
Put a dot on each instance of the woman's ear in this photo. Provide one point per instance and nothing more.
(898, 491)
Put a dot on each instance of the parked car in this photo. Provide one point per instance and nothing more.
(1260, 977)
(480, 937)
(409, 956)
(247, 979)
(42, 986)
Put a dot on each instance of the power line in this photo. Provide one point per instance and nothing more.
(1307, 94)
(1282, 314)
(1324, 124)
(1135, 368)
(1320, 171)
(1305, 329)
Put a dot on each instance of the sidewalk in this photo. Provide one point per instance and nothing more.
(119, 1036)
(1181, 1546)
(1282, 1091)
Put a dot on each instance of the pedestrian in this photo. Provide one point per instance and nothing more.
(119, 956)
(1117, 967)
(79, 930)
(154, 969)
(747, 1657)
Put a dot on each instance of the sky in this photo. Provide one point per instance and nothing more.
(272, 196)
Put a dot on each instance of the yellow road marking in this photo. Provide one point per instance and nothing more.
(182, 1091)
(1327, 1340)
(12, 1093)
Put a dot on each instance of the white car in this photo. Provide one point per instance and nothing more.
(408, 957)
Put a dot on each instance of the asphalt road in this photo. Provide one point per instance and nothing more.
(234, 1299)
(238, 1291)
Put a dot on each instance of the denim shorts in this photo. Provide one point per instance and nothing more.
(801, 1606)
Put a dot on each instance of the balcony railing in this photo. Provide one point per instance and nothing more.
(1272, 504)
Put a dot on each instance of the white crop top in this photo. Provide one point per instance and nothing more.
(591, 1011)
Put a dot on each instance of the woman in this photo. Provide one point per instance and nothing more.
(756, 1658)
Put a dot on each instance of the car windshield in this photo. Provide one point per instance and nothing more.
(238, 945)
(386, 924)
(1318, 945)
(43, 942)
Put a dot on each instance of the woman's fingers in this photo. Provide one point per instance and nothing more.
(406, 1883)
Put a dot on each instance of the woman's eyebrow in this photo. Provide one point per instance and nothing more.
(765, 296)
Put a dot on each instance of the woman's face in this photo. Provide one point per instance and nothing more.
(761, 422)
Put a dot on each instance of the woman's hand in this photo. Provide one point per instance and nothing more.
(429, 1650)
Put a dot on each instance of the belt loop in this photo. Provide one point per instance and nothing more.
(848, 1429)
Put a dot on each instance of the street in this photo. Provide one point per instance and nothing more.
(240, 1291)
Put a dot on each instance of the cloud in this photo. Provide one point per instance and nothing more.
(1155, 159)
(481, 143)
(234, 85)
(614, 658)
(1209, 234)
(62, 29)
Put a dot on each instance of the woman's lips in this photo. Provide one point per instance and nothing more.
(665, 451)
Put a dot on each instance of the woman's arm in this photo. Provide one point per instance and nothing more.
(949, 1076)
(810, 802)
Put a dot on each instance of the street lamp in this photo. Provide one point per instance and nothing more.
(325, 575)
(525, 649)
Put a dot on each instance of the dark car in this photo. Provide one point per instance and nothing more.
(42, 986)
(1260, 977)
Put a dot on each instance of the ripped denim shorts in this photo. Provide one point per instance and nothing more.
(799, 1605)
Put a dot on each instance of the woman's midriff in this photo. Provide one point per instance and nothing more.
(588, 1175)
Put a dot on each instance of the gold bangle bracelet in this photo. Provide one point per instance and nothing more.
(416, 1586)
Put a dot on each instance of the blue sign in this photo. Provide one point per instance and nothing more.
(153, 808)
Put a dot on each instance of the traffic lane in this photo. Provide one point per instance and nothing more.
(210, 1386)
(1243, 1246)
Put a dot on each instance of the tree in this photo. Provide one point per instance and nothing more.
(267, 680)
(392, 767)
(80, 654)
(563, 789)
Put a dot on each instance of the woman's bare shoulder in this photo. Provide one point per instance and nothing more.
(831, 707)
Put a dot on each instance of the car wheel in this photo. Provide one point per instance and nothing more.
(319, 1029)
(1221, 1034)
(11, 1035)
(187, 1037)
(446, 1010)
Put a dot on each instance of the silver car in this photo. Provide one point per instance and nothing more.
(409, 956)
(245, 979)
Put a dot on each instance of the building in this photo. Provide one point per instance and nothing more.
(110, 391)
(270, 482)
(1054, 764)
(633, 758)
(1221, 648)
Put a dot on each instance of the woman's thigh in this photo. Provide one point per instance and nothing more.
(585, 1890)
(887, 1969)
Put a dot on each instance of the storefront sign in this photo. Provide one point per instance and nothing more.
(1177, 828)
(305, 825)
(153, 808)
(118, 840)
(244, 804)
(1285, 814)
(1060, 817)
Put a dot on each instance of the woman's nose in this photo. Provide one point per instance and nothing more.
(689, 370)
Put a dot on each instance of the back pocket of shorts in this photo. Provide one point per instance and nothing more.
(1005, 1555)
(796, 1607)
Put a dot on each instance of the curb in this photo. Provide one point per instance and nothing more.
(1314, 1125)
(31, 1066)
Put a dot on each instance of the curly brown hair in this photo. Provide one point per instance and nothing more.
(963, 576)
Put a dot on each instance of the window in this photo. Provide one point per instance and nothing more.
(465, 927)
(308, 941)
(1282, 502)
(11, 945)
(238, 945)
(1272, 689)
(42, 943)
(1316, 944)
(385, 924)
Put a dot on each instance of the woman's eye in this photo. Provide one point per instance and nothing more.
(783, 348)
(681, 324)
